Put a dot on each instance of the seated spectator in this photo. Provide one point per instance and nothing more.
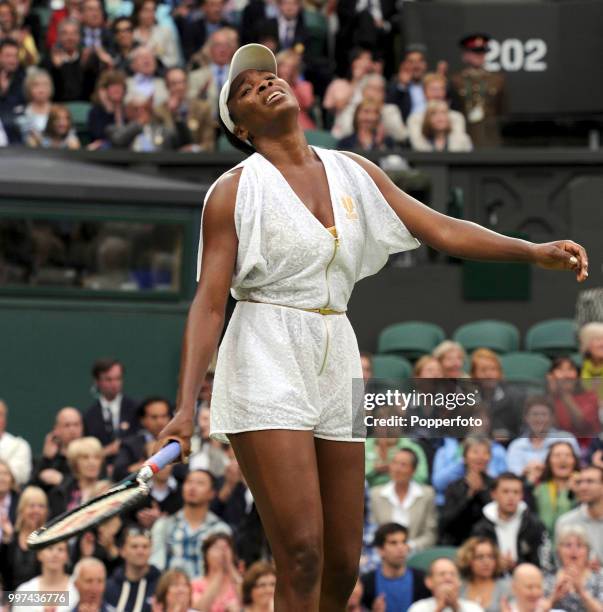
(591, 347)
(160, 39)
(177, 539)
(406, 503)
(206, 454)
(444, 582)
(123, 44)
(18, 563)
(173, 592)
(206, 81)
(520, 535)
(575, 586)
(527, 587)
(219, 588)
(102, 541)
(340, 91)
(369, 131)
(12, 29)
(380, 451)
(52, 467)
(95, 35)
(9, 497)
(85, 458)
(165, 497)
(393, 585)
(436, 132)
(144, 130)
(131, 586)
(108, 107)
(538, 436)
(53, 577)
(554, 491)
(576, 409)
(589, 490)
(372, 87)
(503, 400)
(144, 84)
(289, 67)
(434, 86)
(58, 134)
(480, 564)
(90, 577)
(11, 82)
(451, 356)
(196, 24)
(114, 415)
(259, 583)
(154, 414)
(74, 71)
(407, 89)
(449, 464)
(71, 9)
(466, 497)
(190, 119)
(14, 451)
(38, 91)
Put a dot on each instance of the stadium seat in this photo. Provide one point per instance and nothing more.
(79, 116)
(552, 337)
(578, 359)
(498, 336)
(524, 366)
(422, 560)
(317, 27)
(321, 138)
(410, 339)
(391, 367)
(223, 146)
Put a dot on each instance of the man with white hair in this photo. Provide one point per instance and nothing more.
(528, 591)
(144, 83)
(14, 450)
(89, 577)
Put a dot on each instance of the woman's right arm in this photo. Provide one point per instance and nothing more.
(206, 314)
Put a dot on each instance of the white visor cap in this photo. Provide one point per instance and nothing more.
(247, 57)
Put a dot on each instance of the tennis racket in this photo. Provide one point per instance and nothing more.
(117, 499)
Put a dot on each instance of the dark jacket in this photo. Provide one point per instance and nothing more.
(532, 539)
(58, 462)
(232, 511)
(420, 591)
(59, 496)
(13, 96)
(461, 512)
(131, 450)
(95, 424)
(74, 80)
(193, 33)
(269, 27)
(117, 582)
(17, 565)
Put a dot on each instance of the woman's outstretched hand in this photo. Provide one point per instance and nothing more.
(180, 428)
(562, 255)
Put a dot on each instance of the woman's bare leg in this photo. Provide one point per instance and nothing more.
(281, 471)
(341, 475)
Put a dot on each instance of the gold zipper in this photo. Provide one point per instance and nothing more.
(324, 360)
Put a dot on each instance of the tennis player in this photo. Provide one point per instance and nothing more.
(288, 232)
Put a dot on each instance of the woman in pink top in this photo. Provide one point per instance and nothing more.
(289, 64)
(219, 590)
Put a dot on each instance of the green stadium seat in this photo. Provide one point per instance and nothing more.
(498, 336)
(552, 337)
(317, 28)
(223, 146)
(321, 138)
(423, 559)
(577, 358)
(410, 339)
(524, 366)
(391, 367)
(79, 113)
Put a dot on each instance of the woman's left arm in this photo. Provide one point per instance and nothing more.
(469, 240)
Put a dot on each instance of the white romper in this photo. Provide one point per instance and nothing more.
(280, 367)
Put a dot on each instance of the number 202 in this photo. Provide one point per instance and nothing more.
(512, 55)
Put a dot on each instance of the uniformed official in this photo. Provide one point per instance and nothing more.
(481, 94)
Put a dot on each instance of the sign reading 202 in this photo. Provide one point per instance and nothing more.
(513, 55)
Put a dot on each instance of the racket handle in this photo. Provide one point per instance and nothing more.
(170, 452)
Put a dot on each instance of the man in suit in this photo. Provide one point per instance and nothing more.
(206, 82)
(153, 415)
(287, 27)
(481, 94)
(406, 502)
(94, 32)
(406, 89)
(393, 585)
(113, 416)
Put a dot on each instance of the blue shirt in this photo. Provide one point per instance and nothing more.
(398, 591)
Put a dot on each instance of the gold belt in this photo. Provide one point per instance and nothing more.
(322, 311)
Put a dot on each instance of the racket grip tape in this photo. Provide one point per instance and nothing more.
(169, 453)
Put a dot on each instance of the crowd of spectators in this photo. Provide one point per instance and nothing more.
(145, 75)
(516, 507)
